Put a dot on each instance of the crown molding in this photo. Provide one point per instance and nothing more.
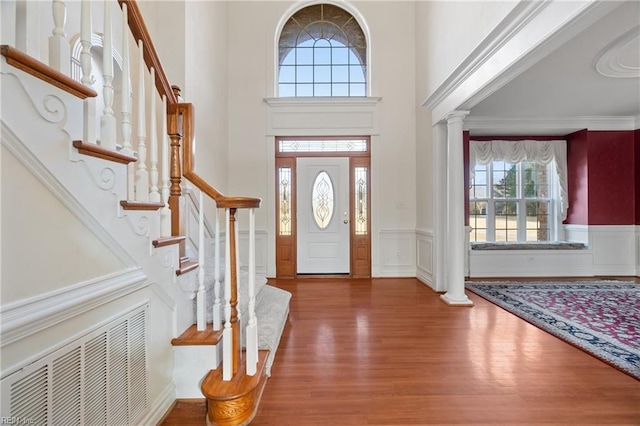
(480, 125)
(519, 16)
(529, 33)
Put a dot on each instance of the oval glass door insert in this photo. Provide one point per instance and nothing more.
(322, 197)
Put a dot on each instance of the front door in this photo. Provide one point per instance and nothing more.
(323, 215)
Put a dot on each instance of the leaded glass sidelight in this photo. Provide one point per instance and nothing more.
(322, 197)
(361, 201)
(284, 212)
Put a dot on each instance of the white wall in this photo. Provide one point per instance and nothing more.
(206, 86)
(43, 252)
(251, 76)
(449, 31)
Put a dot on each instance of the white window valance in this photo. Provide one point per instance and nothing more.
(544, 152)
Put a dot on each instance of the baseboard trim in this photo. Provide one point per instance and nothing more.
(161, 406)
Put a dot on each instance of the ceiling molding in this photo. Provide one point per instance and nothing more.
(519, 16)
(609, 63)
(478, 125)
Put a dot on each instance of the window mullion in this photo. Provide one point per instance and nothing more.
(522, 210)
(491, 212)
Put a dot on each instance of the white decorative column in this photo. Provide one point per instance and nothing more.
(440, 205)
(455, 243)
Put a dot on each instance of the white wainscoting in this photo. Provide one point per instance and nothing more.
(424, 257)
(637, 251)
(398, 253)
(577, 233)
(261, 250)
(611, 250)
(614, 249)
(530, 263)
(29, 316)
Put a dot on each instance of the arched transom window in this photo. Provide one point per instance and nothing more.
(322, 52)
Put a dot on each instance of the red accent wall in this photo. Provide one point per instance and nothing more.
(611, 174)
(578, 177)
(637, 174)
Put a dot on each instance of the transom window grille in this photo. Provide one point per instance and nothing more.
(331, 145)
(322, 52)
(322, 197)
(510, 202)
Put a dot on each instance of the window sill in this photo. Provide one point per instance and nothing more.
(556, 245)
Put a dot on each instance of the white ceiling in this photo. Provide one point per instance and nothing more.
(593, 77)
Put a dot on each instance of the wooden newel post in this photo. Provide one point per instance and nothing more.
(175, 174)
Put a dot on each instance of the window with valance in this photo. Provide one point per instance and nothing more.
(518, 190)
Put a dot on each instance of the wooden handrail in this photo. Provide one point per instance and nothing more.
(151, 58)
(188, 153)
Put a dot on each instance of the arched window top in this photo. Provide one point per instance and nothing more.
(322, 51)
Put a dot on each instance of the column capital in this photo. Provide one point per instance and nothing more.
(456, 116)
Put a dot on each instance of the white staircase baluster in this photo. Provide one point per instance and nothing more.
(59, 51)
(165, 212)
(125, 98)
(201, 315)
(28, 27)
(240, 319)
(154, 195)
(107, 120)
(217, 313)
(142, 175)
(252, 326)
(89, 132)
(227, 334)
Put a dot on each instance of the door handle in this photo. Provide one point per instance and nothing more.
(345, 221)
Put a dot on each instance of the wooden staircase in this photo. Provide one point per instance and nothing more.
(233, 389)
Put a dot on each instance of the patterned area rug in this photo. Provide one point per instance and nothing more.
(600, 317)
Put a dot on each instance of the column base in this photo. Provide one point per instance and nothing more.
(464, 301)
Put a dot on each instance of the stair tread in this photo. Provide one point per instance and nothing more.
(193, 337)
(46, 73)
(93, 150)
(141, 205)
(213, 387)
(166, 241)
(186, 266)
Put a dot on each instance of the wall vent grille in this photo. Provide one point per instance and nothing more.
(99, 379)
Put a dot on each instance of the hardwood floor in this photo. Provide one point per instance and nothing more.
(390, 352)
